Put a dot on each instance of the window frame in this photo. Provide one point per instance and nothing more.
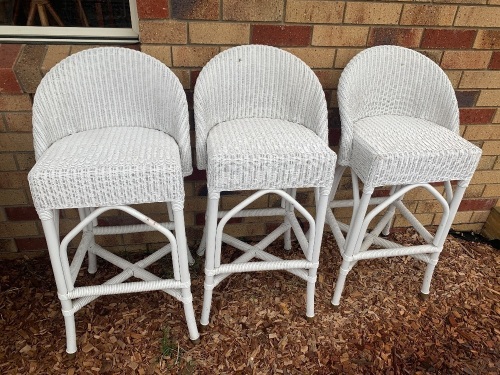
(69, 34)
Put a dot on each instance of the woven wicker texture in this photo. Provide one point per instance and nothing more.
(261, 122)
(110, 87)
(257, 82)
(261, 153)
(393, 150)
(109, 125)
(400, 120)
(111, 129)
(91, 169)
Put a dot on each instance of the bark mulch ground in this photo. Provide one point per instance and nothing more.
(258, 323)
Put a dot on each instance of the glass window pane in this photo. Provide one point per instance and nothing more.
(69, 13)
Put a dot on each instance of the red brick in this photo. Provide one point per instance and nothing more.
(16, 142)
(7, 246)
(381, 192)
(299, 11)
(8, 54)
(28, 66)
(21, 213)
(281, 36)
(434, 55)
(495, 61)
(487, 39)
(8, 82)
(480, 79)
(32, 243)
(481, 133)
(13, 229)
(54, 55)
(135, 47)
(197, 175)
(150, 9)
(465, 59)
(405, 37)
(477, 204)
(15, 103)
(7, 162)
(194, 77)
(163, 32)
(428, 14)
(219, 33)
(200, 219)
(334, 136)
(107, 221)
(334, 129)
(334, 118)
(466, 98)
(201, 190)
(19, 122)
(340, 36)
(329, 78)
(479, 16)
(329, 97)
(194, 9)
(189, 97)
(476, 116)
(448, 39)
(12, 196)
(192, 56)
(14, 180)
(253, 10)
(25, 161)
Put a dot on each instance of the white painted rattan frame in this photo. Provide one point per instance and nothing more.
(306, 268)
(443, 111)
(168, 116)
(214, 105)
(65, 272)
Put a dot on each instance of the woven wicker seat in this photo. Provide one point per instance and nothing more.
(150, 159)
(384, 149)
(261, 124)
(262, 153)
(111, 129)
(400, 120)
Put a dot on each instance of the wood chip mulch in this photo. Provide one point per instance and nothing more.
(258, 323)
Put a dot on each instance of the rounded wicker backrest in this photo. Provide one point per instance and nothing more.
(256, 81)
(392, 80)
(110, 87)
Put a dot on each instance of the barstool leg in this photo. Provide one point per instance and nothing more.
(203, 242)
(83, 213)
(211, 228)
(70, 326)
(182, 250)
(49, 224)
(392, 210)
(339, 284)
(321, 207)
(353, 237)
(171, 217)
(441, 237)
(287, 237)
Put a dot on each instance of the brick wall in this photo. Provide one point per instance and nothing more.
(462, 36)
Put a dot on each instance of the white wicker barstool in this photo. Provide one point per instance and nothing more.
(261, 124)
(110, 128)
(400, 123)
